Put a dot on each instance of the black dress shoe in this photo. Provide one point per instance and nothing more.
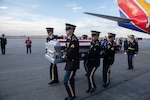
(57, 81)
(70, 98)
(52, 82)
(104, 85)
(130, 68)
(92, 90)
(87, 91)
(67, 98)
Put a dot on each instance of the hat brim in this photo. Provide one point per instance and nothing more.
(131, 36)
(110, 36)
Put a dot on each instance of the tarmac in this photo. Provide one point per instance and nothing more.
(26, 76)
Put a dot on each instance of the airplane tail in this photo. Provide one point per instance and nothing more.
(131, 9)
(136, 10)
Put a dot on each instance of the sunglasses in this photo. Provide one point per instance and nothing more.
(93, 35)
(68, 28)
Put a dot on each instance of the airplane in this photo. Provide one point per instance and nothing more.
(135, 15)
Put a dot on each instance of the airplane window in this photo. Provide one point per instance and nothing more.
(147, 1)
(148, 23)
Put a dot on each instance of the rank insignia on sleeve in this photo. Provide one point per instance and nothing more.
(97, 43)
(73, 38)
(72, 46)
(108, 46)
(112, 49)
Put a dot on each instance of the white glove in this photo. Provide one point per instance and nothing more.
(135, 55)
(82, 55)
(63, 56)
(125, 53)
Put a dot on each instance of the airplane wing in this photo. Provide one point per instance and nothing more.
(118, 19)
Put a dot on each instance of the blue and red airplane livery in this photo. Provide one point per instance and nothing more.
(135, 15)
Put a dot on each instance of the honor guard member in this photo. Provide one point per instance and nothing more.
(72, 61)
(131, 50)
(53, 67)
(93, 61)
(3, 43)
(85, 37)
(108, 59)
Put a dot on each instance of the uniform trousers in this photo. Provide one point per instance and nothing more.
(28, 48)
(90, 77)
(85, 65)
(130, 60)
(3, 49)
(69, 83)
(106, 73)
(53, 72)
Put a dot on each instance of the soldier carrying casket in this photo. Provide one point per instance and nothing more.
(72, 61)
(53, 67)
(93, 61)
(108, 59)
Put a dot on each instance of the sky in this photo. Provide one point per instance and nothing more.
(31, 17)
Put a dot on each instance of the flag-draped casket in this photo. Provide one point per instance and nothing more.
(55, 49)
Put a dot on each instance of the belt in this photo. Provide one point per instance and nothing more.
(131, 48)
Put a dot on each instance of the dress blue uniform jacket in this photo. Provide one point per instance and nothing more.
(93, 55)
(72, 56)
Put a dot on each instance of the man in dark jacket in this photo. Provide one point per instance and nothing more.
(3, 43)
(93, 61)
(72, 61)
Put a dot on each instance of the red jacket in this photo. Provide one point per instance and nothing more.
(28, 42)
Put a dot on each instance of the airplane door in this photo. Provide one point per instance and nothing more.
(148, 23)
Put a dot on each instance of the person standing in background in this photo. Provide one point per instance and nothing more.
(28, 43)
(125, 44)
(131, 50)
(3, 43)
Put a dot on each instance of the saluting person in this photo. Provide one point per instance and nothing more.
(53, 67)
(131, 49)
(72, 61)
(108, 59)
(93, 61)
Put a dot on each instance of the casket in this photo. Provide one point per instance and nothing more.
(55, 49)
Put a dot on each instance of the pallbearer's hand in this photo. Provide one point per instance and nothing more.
(125, 53)
(135, 55)
(64, 56)
(82, 55)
